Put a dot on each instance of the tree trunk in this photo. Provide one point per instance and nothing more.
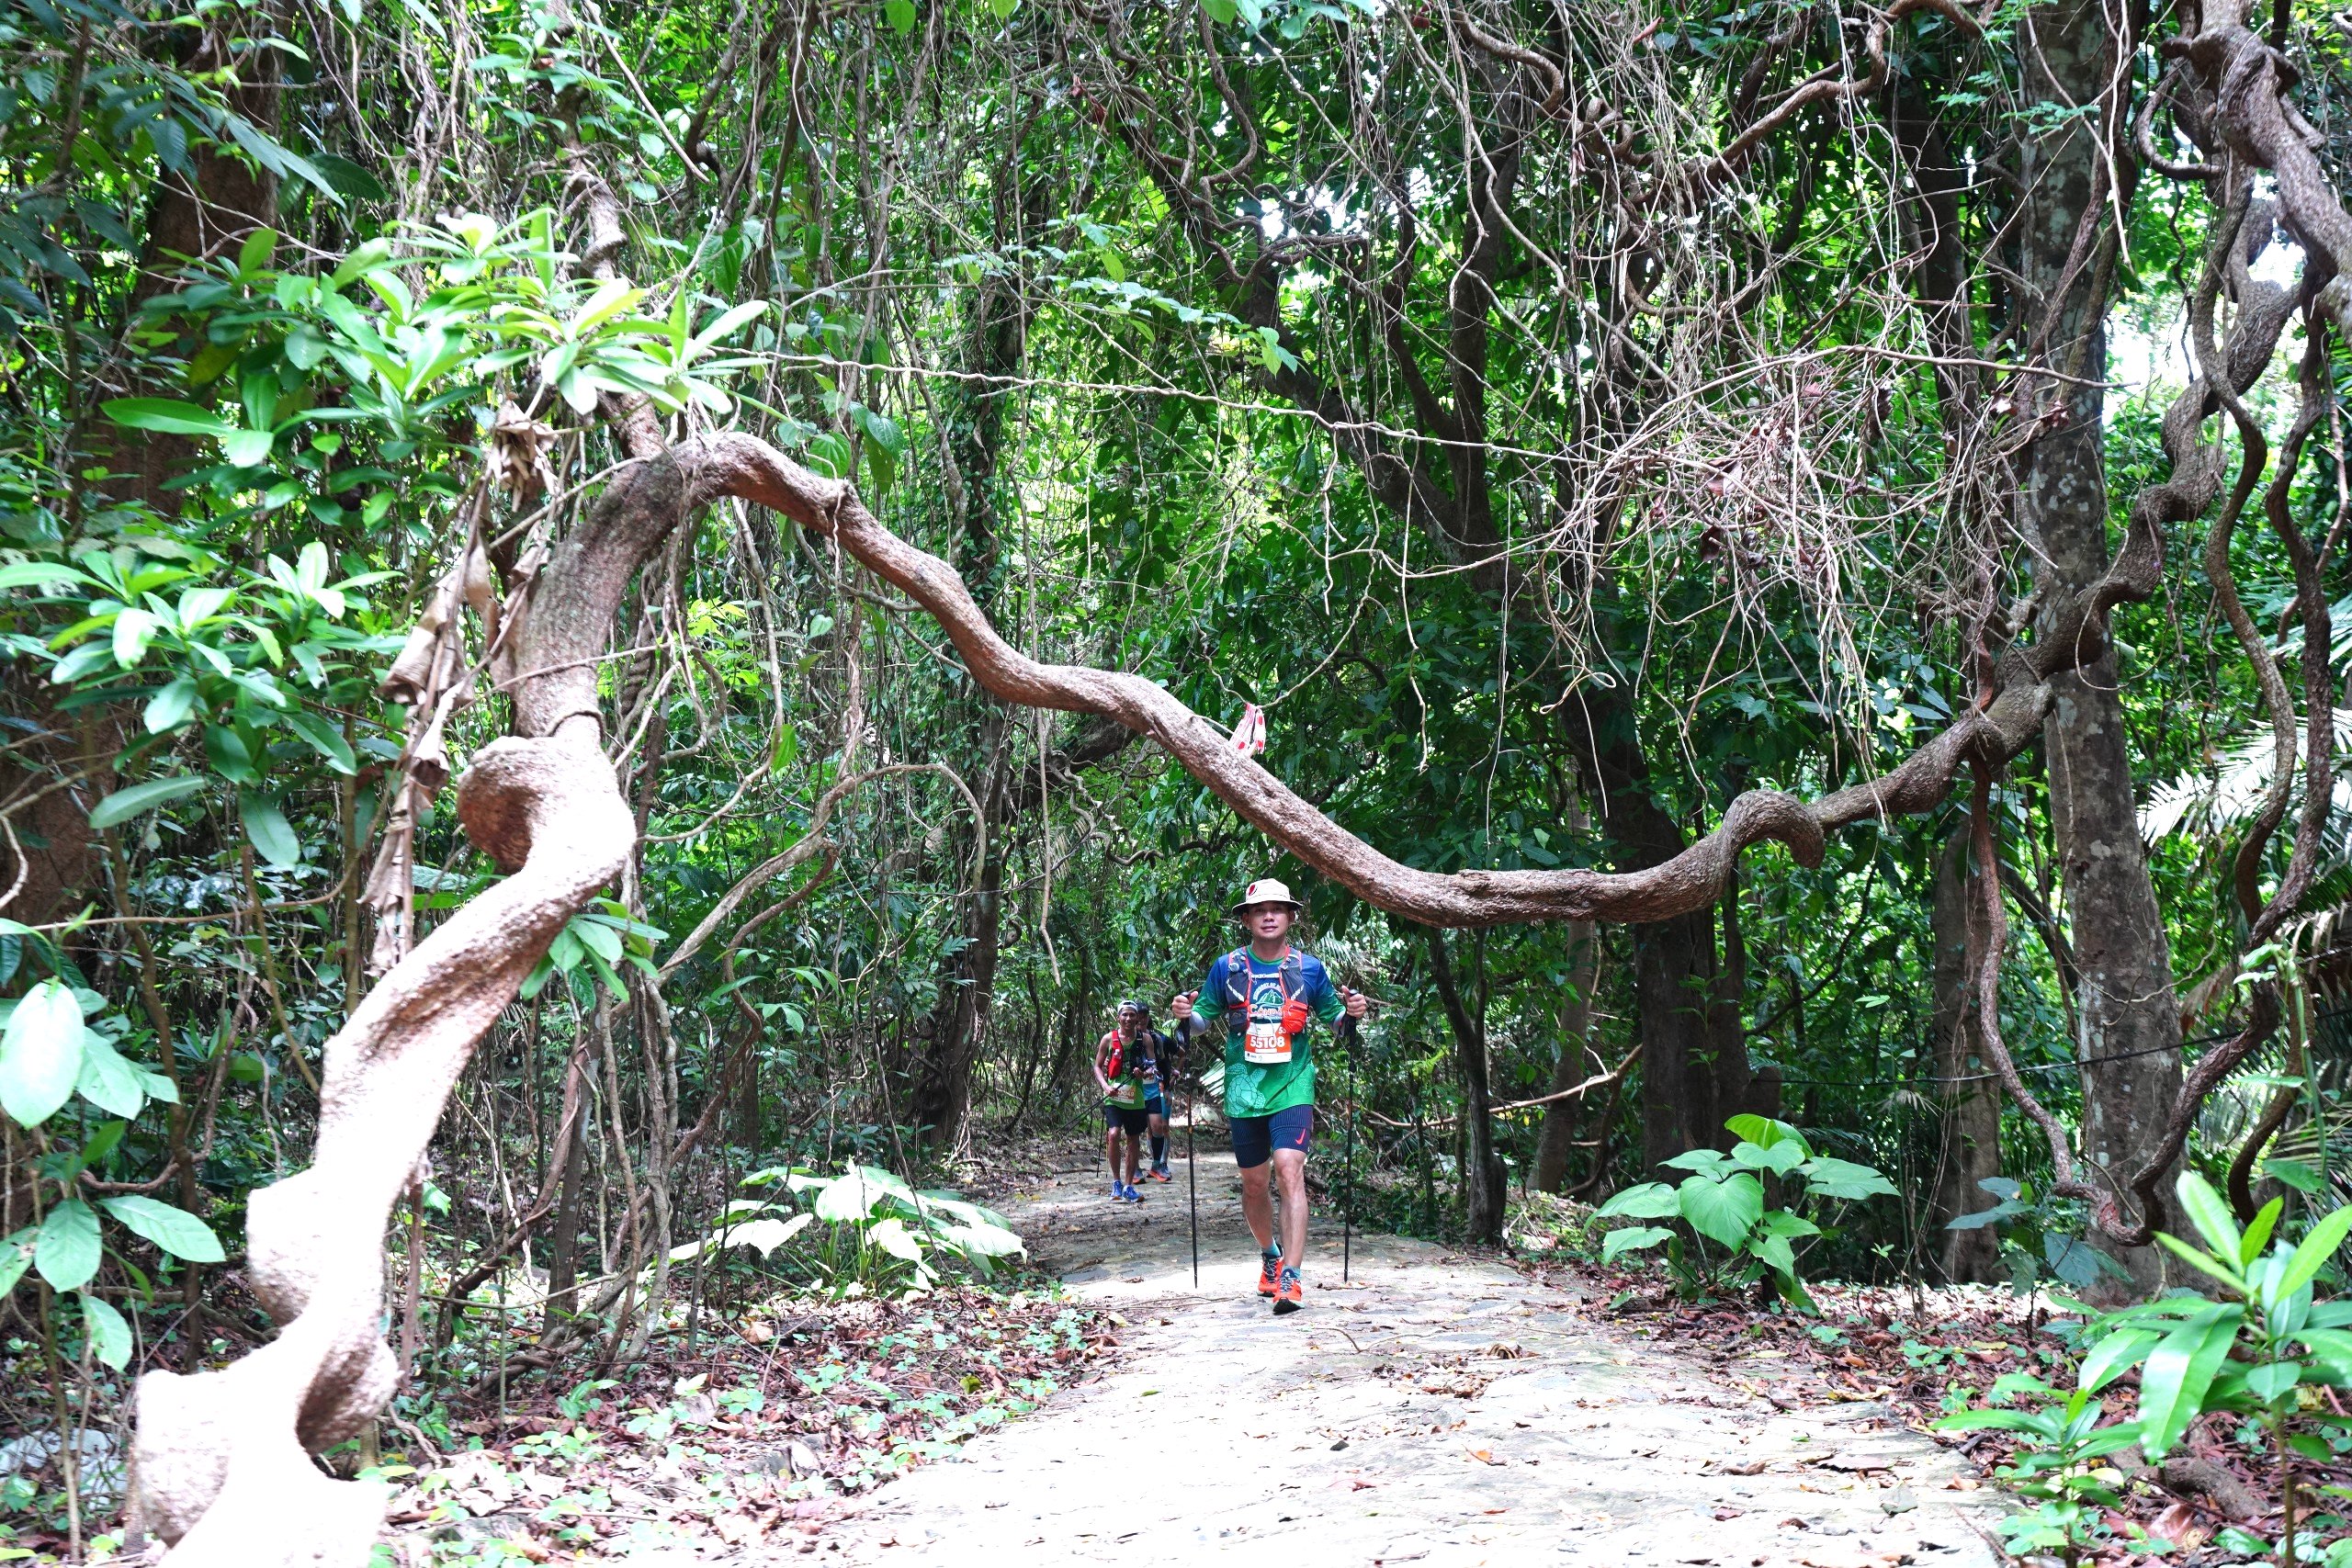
(563, 1243)
(1695, 1071)
(1971, 1145)
(2128, 1009)
(202, 215)
(1484, 1189)
(974, 412)
(942, 1091)
(1560, 1118)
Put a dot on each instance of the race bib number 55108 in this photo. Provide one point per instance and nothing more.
(1265, 1045)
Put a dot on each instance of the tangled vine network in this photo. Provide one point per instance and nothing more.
(223, 1459)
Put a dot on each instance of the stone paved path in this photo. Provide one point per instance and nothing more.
(1437, 1410)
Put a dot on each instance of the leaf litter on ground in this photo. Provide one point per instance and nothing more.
(1925, 1352)
(755, 1438)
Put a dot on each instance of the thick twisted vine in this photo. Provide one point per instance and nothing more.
(2235, 106)
(222, 1460)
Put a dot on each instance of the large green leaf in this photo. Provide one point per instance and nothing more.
(1776, 1251)
(2178, 1371)
(2318, 1246)
(246, 448)
(107, 1080)
(893, 1237)
(109, 1335)
(16, 1256)
(167, 415)
(1722, 1212)
(1649, 1200)
(46, 573)
(40, 1053)
(848, 1198)
(322, 739)
(981, 1241)
(176, 1231)
(67, 1251)
(1829, 1177)
(1766, 1133)
(2198, 1257)
(2210, 1216)
(172, 707)
(766, 1233)
(1780, 1222)
(125, 804)
(2113, 1355)
(1777, 1159)
(267, 826)
(2257, 1234)
(1632, 1239)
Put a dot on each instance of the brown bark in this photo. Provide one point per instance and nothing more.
(941, 1093)
(223, 1459)
(2121, 949)
(1484, 1192)
(1971, 1142)
(1557, 1139)
(199, 216)
(563, 1243)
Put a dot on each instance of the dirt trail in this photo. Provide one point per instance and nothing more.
(1438, 1410)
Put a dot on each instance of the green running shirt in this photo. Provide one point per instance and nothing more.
(1233, 997)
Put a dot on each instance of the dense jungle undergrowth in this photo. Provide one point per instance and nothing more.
(619, 631)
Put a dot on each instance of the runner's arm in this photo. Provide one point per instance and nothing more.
(1324, 997)
(1101, 1056)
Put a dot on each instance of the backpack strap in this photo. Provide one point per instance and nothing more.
(1236, 978)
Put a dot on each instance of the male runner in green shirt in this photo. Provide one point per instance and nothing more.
(1121, 1058)
(1263, 995)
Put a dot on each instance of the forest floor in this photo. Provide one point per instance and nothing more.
(1435, 1408)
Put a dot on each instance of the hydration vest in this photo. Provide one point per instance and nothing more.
(1236, 985)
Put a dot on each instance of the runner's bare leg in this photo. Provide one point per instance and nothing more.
(1290, 1169)
(1258, 1203)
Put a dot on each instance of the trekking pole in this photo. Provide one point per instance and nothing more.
(1348, 1161)
(1190, 1173)
(1191, 1141)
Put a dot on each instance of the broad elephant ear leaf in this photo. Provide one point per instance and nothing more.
(1722, 1212)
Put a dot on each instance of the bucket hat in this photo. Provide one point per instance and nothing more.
(1266, 890)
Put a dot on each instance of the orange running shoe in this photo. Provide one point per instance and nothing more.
(1288, 1297)
(1270, 1270)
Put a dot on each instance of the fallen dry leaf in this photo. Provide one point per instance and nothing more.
(2179, 1525)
